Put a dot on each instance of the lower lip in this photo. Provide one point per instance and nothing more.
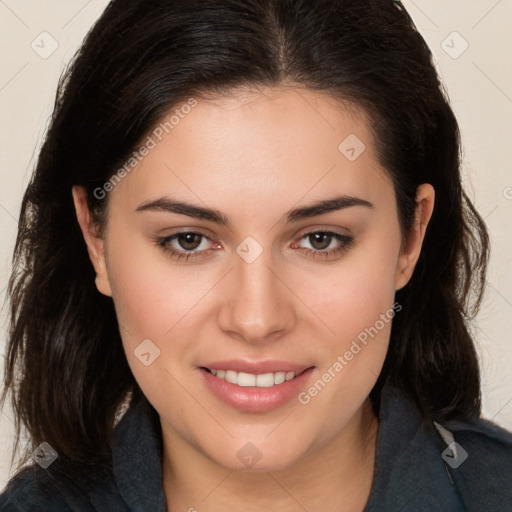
(252, 398)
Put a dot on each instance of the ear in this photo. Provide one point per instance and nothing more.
(95, 244)
(411, 249)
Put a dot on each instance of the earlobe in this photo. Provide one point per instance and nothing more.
(411, 250)
(95, 244)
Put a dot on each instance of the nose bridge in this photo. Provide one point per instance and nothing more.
(258, 304)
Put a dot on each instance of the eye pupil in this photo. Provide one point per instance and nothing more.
(189, 241)
(320, 238)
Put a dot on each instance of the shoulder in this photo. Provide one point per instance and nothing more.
(29, 490)
(478, 458)
(479, 437)
(36, 489)
(18, 493)
(440, 465)
(483, 441)
(129, 476)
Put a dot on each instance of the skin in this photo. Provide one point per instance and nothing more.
(254, 156)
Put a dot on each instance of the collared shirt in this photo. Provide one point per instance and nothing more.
(455, 467)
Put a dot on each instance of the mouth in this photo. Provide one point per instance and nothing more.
(261, 380)
(255, 386)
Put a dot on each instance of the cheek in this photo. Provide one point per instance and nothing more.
(154, 300)
(356, 302)
(353, 295)
(152, 295)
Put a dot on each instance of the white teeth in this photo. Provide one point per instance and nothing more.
(279, 377)
(246, 379)
(231, 376)
(263, 380)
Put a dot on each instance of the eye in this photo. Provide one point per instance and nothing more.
(189, 241)
(184, 245)
(190, 245)
(336, 243)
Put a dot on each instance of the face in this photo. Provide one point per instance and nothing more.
(255, 285)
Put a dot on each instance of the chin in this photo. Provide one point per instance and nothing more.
(255, 456)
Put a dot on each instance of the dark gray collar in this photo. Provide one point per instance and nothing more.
(410, 472)
(137, 458)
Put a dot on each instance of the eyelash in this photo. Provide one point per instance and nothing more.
(346, 242)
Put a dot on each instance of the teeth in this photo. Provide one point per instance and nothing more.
(263, 380)
(279, 377)
(231, 376)
(246, 379)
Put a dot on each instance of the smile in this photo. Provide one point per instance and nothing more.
(262, 380)
(261, 387)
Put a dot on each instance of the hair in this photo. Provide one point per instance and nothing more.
(65, 367)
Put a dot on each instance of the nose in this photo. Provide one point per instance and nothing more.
(258, 306)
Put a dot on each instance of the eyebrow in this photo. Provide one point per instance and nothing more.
(168, 204)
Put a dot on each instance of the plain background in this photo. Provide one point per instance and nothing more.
(471, 43)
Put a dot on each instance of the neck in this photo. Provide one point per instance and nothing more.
(335, 476)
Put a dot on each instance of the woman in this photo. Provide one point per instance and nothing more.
(244, 269)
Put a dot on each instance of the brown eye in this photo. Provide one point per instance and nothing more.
(321, 244)
(189, 241)
(320, 241)
(186, 245)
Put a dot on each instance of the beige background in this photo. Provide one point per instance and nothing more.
(478, 79)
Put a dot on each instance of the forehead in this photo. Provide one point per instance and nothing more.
(267, 144)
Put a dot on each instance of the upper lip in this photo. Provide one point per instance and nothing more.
(257, 367)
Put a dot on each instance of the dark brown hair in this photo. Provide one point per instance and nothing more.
(65, 366)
